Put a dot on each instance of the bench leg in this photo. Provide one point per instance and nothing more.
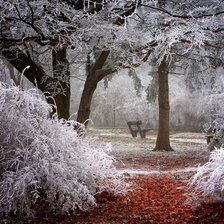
(133, 133)
(142, 133)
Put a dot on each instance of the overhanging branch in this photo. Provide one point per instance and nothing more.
(101, 73)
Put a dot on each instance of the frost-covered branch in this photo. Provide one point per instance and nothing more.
(209, 179)
(182, 16)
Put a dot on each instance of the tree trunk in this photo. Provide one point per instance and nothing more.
(163, 138)
(90, 86)
(86, 98)
(62, 74)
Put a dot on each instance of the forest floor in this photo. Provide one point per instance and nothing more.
(160, 192)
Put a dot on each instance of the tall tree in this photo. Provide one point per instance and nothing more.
(180, 29)
(90, 86)
(96, 73)
(163, 137)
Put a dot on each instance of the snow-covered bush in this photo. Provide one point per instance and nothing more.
(209, 179)
(43, 160)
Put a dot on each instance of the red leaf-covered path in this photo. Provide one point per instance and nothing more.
(158, 199)
(154, 199)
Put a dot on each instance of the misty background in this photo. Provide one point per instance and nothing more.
(132, 95)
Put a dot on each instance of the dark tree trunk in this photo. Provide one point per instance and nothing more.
(93, 77)
(35, 74)
(86, 98)
(61, 69)
(163, 137)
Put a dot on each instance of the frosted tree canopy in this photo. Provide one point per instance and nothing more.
(138, 25)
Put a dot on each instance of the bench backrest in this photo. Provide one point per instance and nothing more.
(134, 123)
(134, 127)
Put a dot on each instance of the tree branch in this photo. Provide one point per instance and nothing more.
(105, 72)
(183, 16)
(101, 60)
(31, 24)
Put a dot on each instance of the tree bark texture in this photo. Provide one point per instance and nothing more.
(163, 137)
(90, 86)
(62, 74)
(86, 98)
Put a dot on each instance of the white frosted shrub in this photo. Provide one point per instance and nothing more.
(43, 160)
(209, 179)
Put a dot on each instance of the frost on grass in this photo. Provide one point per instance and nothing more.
(42, 160)
(209, 179)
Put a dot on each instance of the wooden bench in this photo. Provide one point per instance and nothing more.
(135, 127)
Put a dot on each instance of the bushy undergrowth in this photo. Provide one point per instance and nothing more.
(209, 179)
(44, 161)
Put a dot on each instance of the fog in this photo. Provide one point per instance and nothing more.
(114, 105)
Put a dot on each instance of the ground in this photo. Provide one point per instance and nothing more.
(136, 155)
(159, 180)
